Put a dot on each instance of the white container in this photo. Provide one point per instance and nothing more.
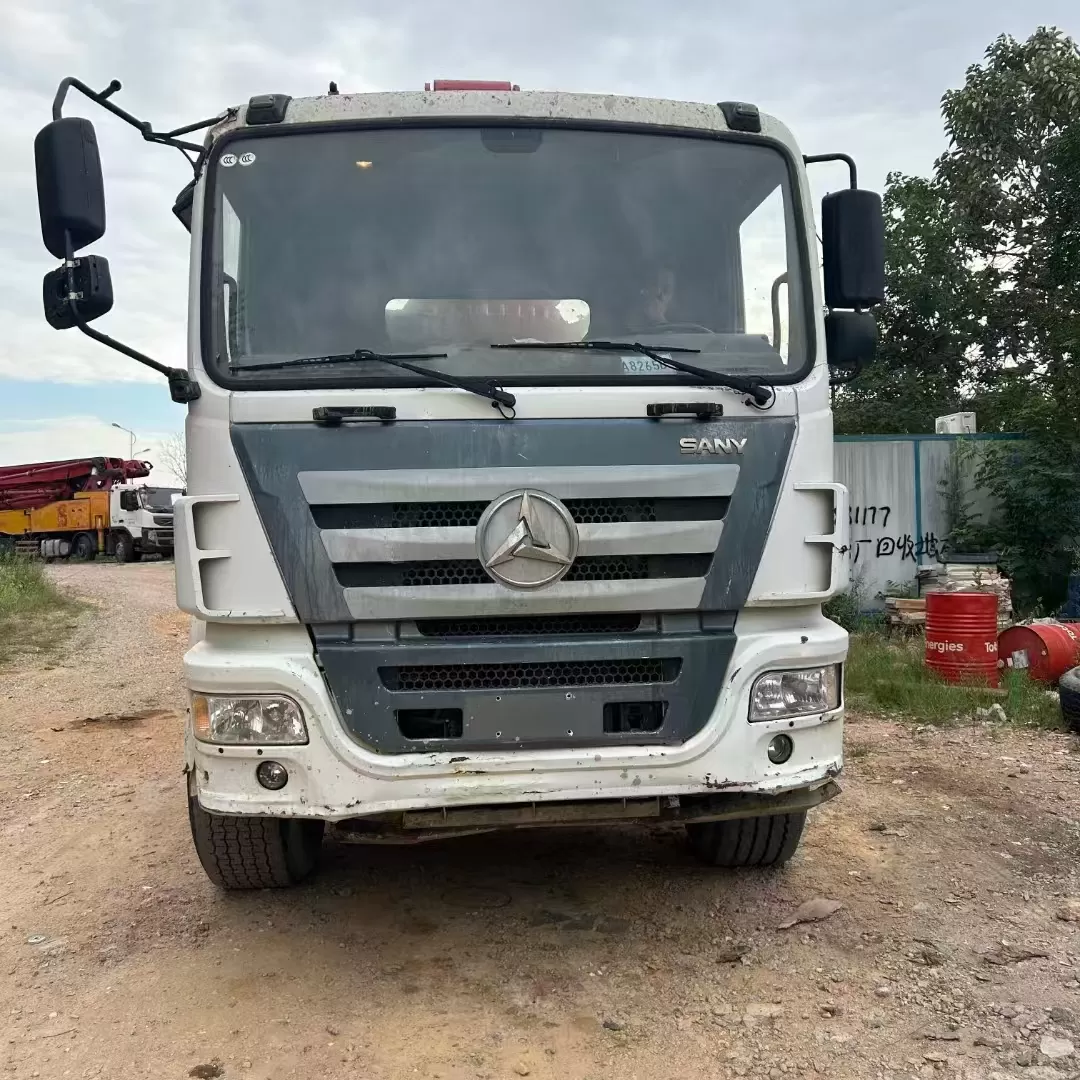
(958, 423)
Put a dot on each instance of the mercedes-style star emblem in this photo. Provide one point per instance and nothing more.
(526, 539)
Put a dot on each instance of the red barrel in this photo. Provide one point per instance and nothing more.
(1045, 650)
(961, 636)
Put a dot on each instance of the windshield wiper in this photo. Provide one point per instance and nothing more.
(760, 393)
(486, 388)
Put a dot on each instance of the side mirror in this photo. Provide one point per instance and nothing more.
(183, 204)
(853, 246)
(71, 193)
(92, 290)
(850, 340)
(129, 500)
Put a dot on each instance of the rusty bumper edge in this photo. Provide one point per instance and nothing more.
(415, 826)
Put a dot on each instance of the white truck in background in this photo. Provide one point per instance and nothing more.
(510, 467)
(145, 513)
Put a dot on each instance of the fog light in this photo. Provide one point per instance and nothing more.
(274, 776)
(780, 749)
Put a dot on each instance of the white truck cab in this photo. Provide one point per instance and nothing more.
(141, 517)
(510, 478)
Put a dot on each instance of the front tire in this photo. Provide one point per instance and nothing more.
(254, 852)
(747, 842)
(1069, 693)
(123, 548)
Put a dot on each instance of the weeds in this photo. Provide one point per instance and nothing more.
(34, 616)
(848, 609)
(887, 676)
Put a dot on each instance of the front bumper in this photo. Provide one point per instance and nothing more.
(335, 778)
(157, 540)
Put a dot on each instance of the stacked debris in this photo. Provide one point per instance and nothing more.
(970, 577)
(962, 574)
(905, 613)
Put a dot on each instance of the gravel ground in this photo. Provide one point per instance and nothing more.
(580, 955)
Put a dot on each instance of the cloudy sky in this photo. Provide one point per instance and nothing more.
(865, 78)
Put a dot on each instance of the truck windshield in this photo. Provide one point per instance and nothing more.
(159, 499)
(453, 238)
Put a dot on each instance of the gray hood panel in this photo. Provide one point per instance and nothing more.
(298, 470)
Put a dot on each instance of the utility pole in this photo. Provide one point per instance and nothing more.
(131, 438)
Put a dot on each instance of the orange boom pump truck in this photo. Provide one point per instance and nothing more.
(84, 507)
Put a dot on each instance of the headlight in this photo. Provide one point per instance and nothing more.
(247, 720)
(782, 694)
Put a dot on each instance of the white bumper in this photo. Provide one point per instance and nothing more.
(333, 777)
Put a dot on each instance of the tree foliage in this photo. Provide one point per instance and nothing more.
(983, 305)
(927, 322)
(173, 454)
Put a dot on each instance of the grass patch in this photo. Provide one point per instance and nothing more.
(890, 676)
(35, 618)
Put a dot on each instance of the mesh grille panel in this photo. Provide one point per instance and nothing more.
(513, 676)
(434, 515)
(446, 515)
(609, 568)
(536, 626)
(448, 572)
(470, 572)
(584, 511)
(591, 511)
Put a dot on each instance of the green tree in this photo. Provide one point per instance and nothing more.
(1011, 176)
(927, 323)
(983, 306)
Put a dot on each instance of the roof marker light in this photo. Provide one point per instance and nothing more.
(469, 84)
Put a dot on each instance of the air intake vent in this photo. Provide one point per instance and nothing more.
(470, 572)
(522, 676)
(592, 511)
(433, 515)
(446, 515)
(537, 626)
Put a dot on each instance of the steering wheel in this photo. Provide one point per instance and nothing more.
(679, 328)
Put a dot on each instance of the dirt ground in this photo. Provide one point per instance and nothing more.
(580, 955)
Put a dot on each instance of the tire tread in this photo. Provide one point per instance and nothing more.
(246, 852)
(1069, 695)
(747, 842)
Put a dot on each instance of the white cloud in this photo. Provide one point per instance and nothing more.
(864, 78)
(59, 438)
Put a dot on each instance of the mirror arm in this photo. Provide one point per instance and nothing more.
(199, 125)
(165, 138)
(813, 159)
(182, 388)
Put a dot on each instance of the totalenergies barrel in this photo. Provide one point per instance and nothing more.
(1045, 650)
(961, 636)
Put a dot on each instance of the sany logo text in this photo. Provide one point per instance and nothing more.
(718, 445)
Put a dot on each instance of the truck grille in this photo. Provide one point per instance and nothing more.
(402, 542)
(515, 676)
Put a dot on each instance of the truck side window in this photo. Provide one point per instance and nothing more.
(129, 500)
(763, 251)
(230, 272)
